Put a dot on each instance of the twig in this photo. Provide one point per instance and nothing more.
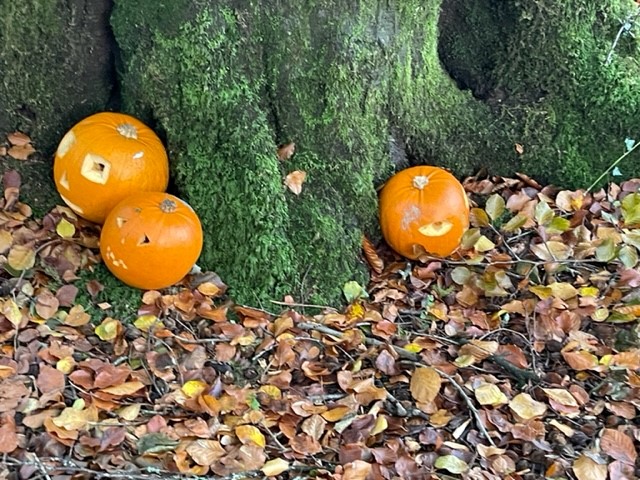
(405, 354)
(612, 166)
(303, 305)
(626, 27)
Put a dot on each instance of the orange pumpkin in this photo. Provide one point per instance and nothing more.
(151, 240)
(423, 209)
(105, 158)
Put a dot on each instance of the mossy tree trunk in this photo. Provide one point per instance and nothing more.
(361, 88)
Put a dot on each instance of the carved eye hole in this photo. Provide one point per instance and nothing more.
(120, 221)
(144, 240)
(95, 168)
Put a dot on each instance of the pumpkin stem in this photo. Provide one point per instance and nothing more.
(167, 206)
(420, 181)
(127, 130)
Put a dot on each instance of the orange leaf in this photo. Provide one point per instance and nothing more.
(295, 180)
(286, 151)
(126, 388)
(373, 259)
(581, 360)
(425, 384)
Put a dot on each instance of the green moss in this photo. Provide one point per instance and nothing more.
(37, 187)
(549, 87)
(247, 80)
(43, 47)
(124, 300)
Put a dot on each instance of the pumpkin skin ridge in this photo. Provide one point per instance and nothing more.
(97, 135)
(402, 212)
(175, 241)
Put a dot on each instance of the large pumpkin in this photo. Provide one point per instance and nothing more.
(151, 240)
(105, 158)
(423, 209)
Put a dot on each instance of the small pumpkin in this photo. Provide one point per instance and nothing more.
(105, 158)
(423, 209)
(150, 240)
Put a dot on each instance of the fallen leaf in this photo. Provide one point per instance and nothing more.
(18, 139)
(526, 407)
(249, 433)
(586, 468)
(452, 464)
(286, 151)
(425, 384)
(275, 467)
(8, 434)
(21, 257)
(294, 181)
(619, 446)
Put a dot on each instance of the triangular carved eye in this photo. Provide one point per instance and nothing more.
(144, 240)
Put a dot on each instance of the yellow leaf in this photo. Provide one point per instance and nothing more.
(109, 329)
(563, 290)
(65, 228)
(271, 390)
(587, 469)
(561, 396)
(425, 384)
(589, 291)
(380, 426)
(490, 394)
(126, 388)
(76, 418)
(146, 322)
(600, 315)
(66, 364)
(526, 407)
(21, 257)
(129, 412)
(413, 347)
(275, 467)
(483, 244)
(11, 310)
(541, 291)
(193, 388)
(6, 239)
(249, 433)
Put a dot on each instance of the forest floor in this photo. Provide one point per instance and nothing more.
(516, 358)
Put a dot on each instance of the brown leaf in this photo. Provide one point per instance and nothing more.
(425, 384)
(286, 151)
(8, 434)
(66, 295)
(294, 181)
(46, 305)
(619, 446)
(373, 259)
(50, 379)
(18, 139)
(21, 152)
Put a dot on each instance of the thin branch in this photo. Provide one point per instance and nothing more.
(405, 354)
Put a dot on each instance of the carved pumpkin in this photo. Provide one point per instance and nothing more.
(105, 158)
(423, 209)
(151, 240)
